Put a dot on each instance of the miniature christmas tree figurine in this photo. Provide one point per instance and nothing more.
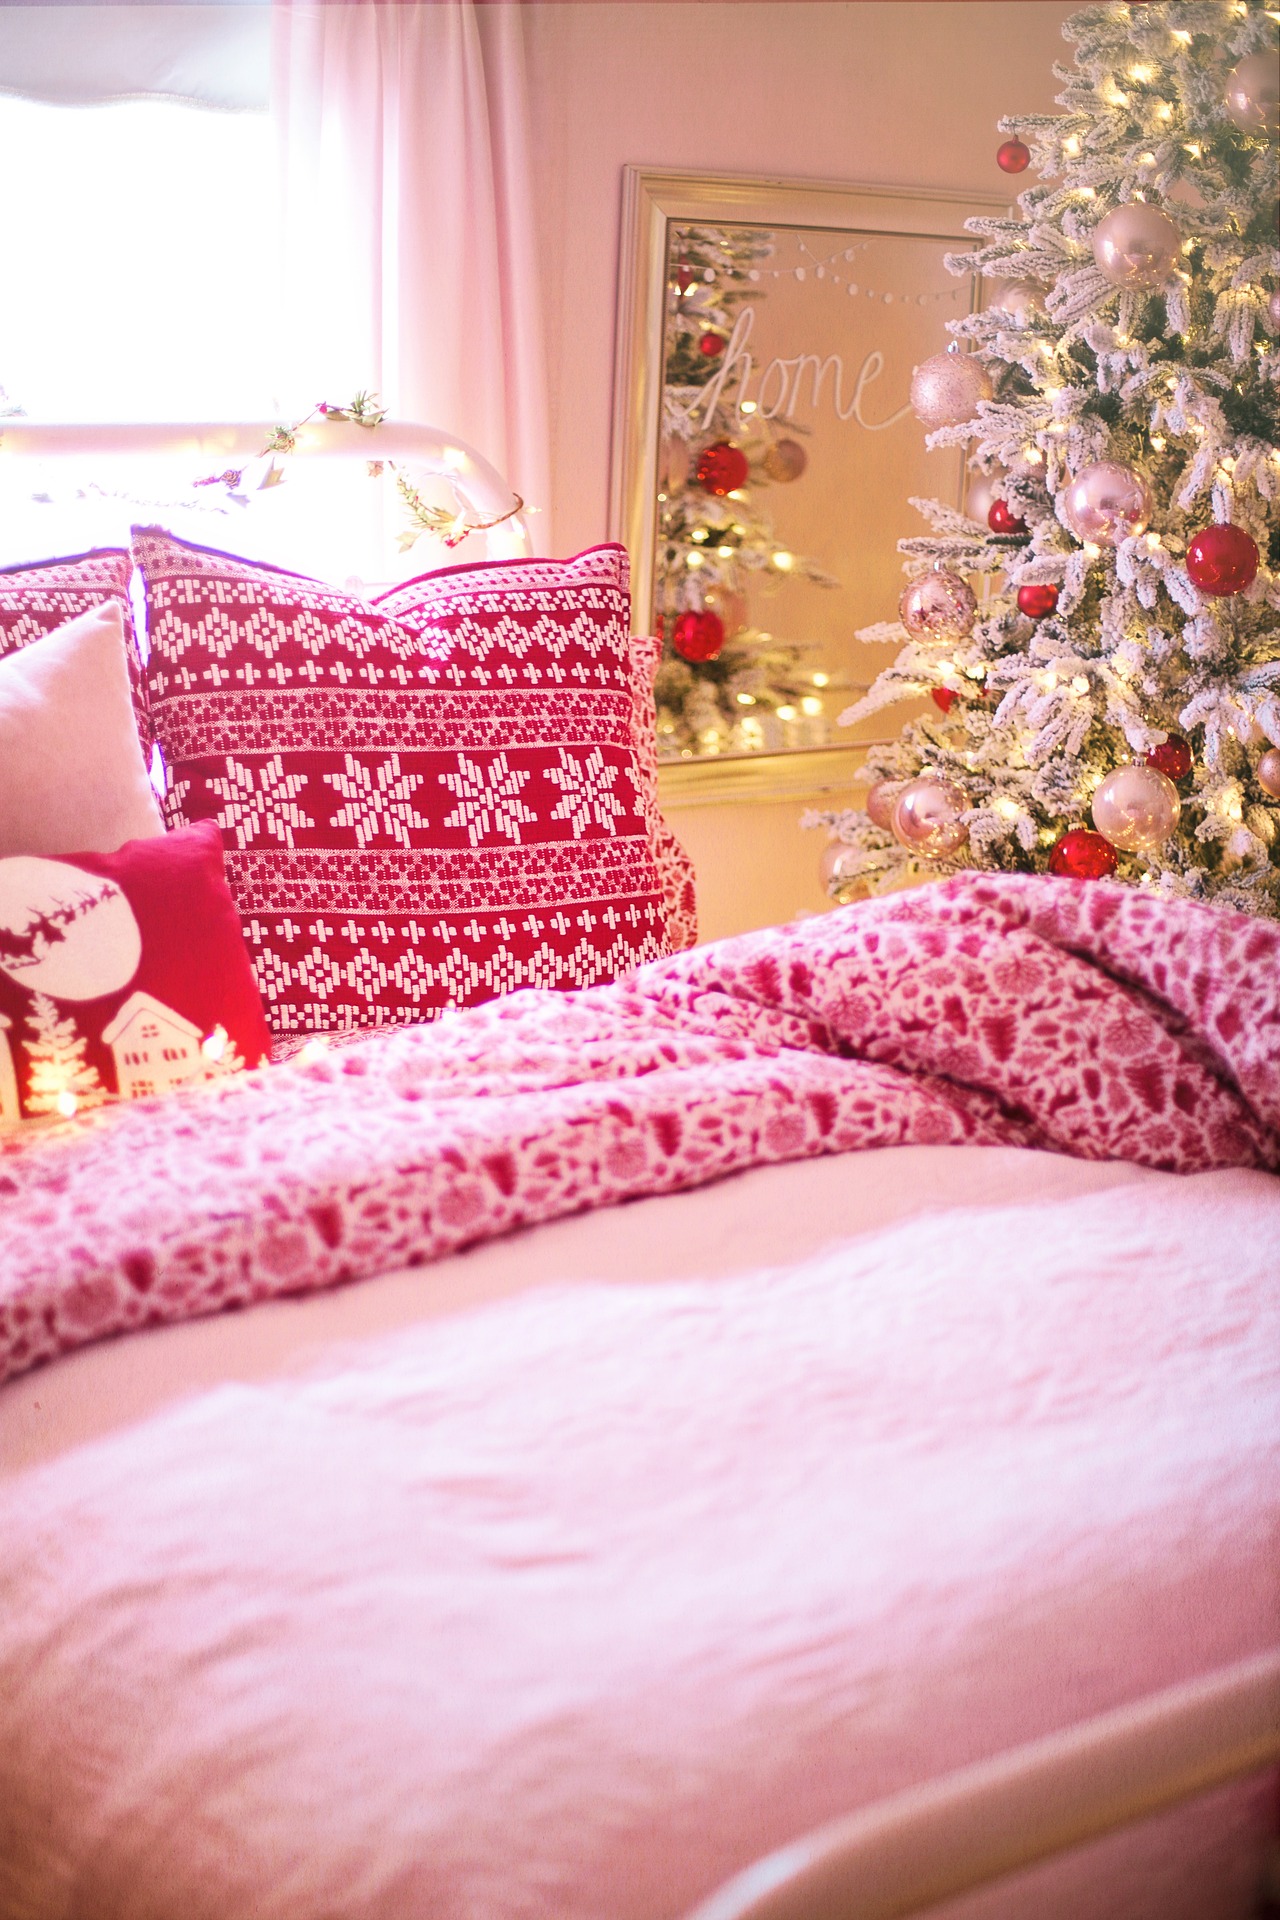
(1110, 704)
(723, 685)
(60, 1080)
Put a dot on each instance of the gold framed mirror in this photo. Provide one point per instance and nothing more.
(764, 454)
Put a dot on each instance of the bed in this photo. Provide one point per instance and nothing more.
(541, 1461)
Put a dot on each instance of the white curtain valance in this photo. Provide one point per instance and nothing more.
(214, 56)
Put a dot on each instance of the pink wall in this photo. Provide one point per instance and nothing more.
(878, 93)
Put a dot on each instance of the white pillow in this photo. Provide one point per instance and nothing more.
(72, 775)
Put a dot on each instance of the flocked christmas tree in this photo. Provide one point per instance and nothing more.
(60, 1079)
(1108, 703)
(724, 684)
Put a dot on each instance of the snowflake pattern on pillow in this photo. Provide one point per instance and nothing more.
(426, 800)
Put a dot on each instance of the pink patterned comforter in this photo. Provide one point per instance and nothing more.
(1093, 1021)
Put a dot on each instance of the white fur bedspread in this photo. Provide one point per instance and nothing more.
(567, 1605)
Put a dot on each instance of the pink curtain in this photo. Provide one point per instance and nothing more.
(407, 237)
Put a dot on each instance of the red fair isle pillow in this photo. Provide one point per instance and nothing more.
(425, 801)
(35, 600)
(121, 974)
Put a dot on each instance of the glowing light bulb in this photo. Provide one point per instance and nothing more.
(1182, 37)
(214, 1044)
(786, 713)
(1143, 75)
(1071, 145)
(810, 706)
(1079, 684)
(66, 1103)
(1159, 442)
(746, 699)
(699, 534)
(726, 553)
(747, 406)
(822, 679)
(1007, 809)
(695, 559)
(784, 562)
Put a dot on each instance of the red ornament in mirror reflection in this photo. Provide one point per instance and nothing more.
(1222, 560)
(684, 278)
(722, 468)
(1002, 519)
(1082, 855)
(1037, 602)
(711, 344)
(1172, 757)
(698, 636)
(1013, 157)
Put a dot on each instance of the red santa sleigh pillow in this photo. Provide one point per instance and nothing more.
(121, 974)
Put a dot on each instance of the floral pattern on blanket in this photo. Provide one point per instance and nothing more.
(986, 1010)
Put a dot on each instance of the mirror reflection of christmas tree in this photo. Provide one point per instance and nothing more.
(60, 1079)
(725, 684)
(1111, 707)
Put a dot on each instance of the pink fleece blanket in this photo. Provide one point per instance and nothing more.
(1092, 1020)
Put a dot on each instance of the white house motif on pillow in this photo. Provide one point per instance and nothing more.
(154, 1048)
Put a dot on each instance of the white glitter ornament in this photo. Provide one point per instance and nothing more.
(1020, 299)
(1136, 808)
(1253, 94)
(946, 389)
(1137, 246)
(1107, 503)
(938, 606)
(927, 819)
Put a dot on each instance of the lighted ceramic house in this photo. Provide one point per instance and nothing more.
(154, 1048)
(8, 1076)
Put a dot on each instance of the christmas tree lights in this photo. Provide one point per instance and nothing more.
(724, 685)
(1109, 704)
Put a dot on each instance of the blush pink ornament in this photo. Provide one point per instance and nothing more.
(946, 389)
(1137, 246)
(1136, 808)
(1273, 310)
(837, 864)
(882, 798)
(1107, 503)
(1269, 772)
(927, 819)
(730, 605)
(1253, 94)
(938, 606)
(982, 491)
(1020, 299)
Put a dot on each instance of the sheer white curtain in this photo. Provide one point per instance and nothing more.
(408, 258)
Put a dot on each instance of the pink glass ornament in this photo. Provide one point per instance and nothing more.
(1273, 309)
(837, 863)
(785, 461)
(1269, 772)
(938, 606)
(946, 389)
(927, 819)
(983, 489)
(1107, 503)
(1136, 808)
(1137, 245)
(730, 605)
(882, 798)
(1253, 94)
(1020, 299)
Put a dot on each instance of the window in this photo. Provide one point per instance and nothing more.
(139, 243)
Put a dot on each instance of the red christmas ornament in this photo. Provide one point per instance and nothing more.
(1082, 855)
(711, 344)
(684, 278)
(1013, 157)
(1037, 602)
(1171, 757)
(698, 636)
(721, 467)
(944, 697)
(1002, 519)
(1222, 560)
